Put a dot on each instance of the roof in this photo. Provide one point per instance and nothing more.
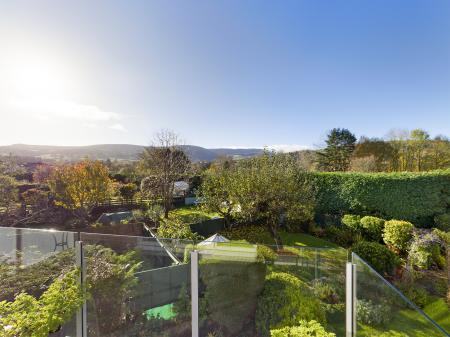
(213, 239)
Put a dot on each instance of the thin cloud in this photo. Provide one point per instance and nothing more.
(118, 127)
(287, 147)
(48, 109)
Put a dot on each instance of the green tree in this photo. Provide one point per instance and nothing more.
(337, 154)
(127, 191)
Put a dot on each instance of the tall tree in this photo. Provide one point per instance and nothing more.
(163, 163)
(81, 186)
(337, 154)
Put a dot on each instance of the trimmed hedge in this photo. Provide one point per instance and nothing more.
(377, 255)
(416, 197)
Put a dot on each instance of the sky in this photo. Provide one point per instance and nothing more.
(222, 73)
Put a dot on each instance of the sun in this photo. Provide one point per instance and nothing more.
(34, 75)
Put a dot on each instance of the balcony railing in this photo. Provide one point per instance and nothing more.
(84, 284)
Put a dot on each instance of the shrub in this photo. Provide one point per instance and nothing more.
(284, 301)
(415, 197)
(28, 316)
(325, 291)
(303, 329)
(397, 234)
(372, 314)
(377, 255)
(266, 254)
(230, 294)
(442, 222)
(445, 237)
(252, 234)
(352, 221)
(372, 227)
(343, 236)
(174, 228)
(416, 294)
(425, 251)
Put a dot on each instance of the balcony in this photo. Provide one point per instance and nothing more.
(55, 283)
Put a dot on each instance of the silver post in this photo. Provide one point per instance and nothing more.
(194, 293)
(81, 328)
(350, 299)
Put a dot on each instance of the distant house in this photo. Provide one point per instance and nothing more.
(181, 188)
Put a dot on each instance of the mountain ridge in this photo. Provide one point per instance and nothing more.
(115, 152)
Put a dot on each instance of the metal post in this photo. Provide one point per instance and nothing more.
(81, 328)
(350, 300)
(194, 293)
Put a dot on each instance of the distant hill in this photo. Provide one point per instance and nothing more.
(114, 151)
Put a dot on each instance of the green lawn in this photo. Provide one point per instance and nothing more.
(192, 214)
(302, 239)
(439, 311)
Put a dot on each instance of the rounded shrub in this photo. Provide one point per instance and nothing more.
(377, 255)
(372, 227)
(352, 221)
(285, 301)
(397, 234)
(371, 313)
(302, 329)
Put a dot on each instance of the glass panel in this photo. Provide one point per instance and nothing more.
(247, 290)
(383, 311)
(137, 286)
(38, 270)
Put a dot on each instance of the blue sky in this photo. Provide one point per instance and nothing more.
(221, 73)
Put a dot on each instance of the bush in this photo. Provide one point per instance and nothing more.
(229, 294)
(377, 255)
(372, 314)
(442, 222)
(326, 291)
(372, 227)
(397, 234)
(425, 251)
(415, 293)
(415, 197)
(352, 221)
(303, 329)
(174, 228)
(284, 301)
(343, 236)
(266, 254)
(252, 234)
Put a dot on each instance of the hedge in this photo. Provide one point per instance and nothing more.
(415, 197)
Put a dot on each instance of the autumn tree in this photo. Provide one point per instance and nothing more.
(163, 163)
(37, 199)
(81, 186)
(337, 154)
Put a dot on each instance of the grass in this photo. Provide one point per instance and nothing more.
(302, 239)
(192, 214)
(439, 311)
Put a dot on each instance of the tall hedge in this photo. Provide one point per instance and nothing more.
(415, 197)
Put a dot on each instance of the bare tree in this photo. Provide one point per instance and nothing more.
(163, 163)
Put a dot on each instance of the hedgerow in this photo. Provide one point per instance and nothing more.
(415, 197)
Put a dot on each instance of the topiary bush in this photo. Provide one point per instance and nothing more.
(397, 234)
(343, 236)
(372, 227)
(302, 329)
(352, 221)
(284, 301)
(377, 255)
(371, 313)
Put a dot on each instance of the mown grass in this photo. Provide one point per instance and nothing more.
(302, 239)
(192, 214)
